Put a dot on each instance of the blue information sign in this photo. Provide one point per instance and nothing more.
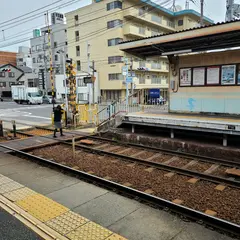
(129, 79)
(154, 93)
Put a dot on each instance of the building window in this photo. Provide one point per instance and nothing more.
(11, 74)
(77, 51)
(76, 20)
(156, 65)
(56, 57)
(55, 44)
(20, 59)
(114, 59)
(81, 83)
(11, 83)
(114, 23)
(79, 65)
(33, 49)
(2, 74)
(77, 36)
(156, 18)
(114, 41)
(180, 22)
(156, 79)
(113, 5)
(170, 24)
(39, 48)
(141, 78)
(2, 84)
(142, 11)
(115, 76)
(142, 30)
(34, 60)
(113, 95)
(155, 32)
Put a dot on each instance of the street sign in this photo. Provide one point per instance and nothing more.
(129, 79)
(131, 74)
(87, 80)
(124, 70)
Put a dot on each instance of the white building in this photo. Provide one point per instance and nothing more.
(24, 58)
(82, 89)
(40, 50)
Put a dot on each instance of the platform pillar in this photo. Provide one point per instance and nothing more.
(133, 128)
(224, 140)
(172, 133)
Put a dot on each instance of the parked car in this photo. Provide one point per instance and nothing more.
(48, 99)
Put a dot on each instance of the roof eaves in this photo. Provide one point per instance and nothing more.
(193, 12)
(171, 13)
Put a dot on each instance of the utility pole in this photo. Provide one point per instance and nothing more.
(201, 20)
(89, 85)
(187, 4)
(131, 72)
(50, 58)
(229, 12)
(93, 87)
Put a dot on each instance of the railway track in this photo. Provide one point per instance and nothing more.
(199, 167)
(190, 213)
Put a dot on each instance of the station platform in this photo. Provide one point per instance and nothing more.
(220, 125)
(68, 207)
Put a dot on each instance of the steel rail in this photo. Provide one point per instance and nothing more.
(161, 166)
(181, 171)
(223, 162)
(192, 214)
(172, 152)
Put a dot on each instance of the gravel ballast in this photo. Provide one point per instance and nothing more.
(200, 196)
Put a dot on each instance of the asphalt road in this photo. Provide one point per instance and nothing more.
(13, 229)
(25, 114)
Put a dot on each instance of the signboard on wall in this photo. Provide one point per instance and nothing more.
(154, 93)
(198, 76)
(185, 76)
(238, 75)
(213, 74)
(228, 74)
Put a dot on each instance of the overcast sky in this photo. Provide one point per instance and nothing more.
(214, 9)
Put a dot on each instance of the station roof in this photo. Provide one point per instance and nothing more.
(215, 36)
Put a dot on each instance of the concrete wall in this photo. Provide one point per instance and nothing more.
(206, 99)
(8, 57)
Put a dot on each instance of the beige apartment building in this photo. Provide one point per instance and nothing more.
(103, 24)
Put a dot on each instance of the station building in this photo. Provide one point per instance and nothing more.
(204, 78)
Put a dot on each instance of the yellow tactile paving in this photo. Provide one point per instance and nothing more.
(54, 216)
(66, 222)
(19, 194)
(10, 186)
(115, 237)
(41, 207)
(4, 180)
(89, 231)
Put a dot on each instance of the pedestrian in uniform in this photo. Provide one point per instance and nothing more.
(58, 111)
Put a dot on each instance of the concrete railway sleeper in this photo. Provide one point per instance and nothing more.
(196, 215)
